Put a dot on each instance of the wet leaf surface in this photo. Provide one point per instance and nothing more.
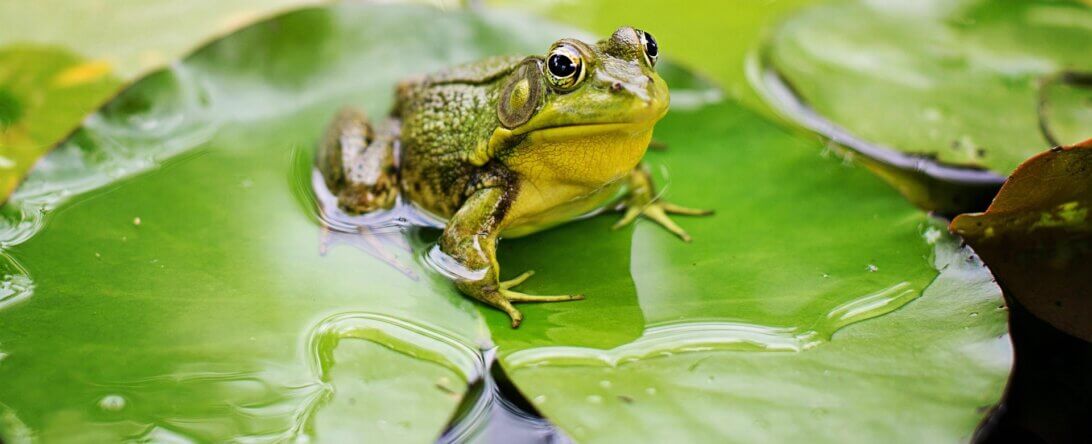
(1037, 237)
(61, 60)
(936, 85)
(810, 302)
(44, 93)
(165, 274)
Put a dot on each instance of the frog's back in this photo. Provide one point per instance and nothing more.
(444, 117)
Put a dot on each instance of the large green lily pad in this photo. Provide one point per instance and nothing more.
(168, 275)
(808, 305)
(937, 90)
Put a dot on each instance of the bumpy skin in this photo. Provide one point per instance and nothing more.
(507, 147)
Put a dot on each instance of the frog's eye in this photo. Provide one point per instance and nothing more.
(651, 49)
(565, 66)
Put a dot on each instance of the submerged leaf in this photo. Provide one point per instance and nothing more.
(1037, 237)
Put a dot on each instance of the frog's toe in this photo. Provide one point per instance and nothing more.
(516, 296)
(514, 314)
(657, 214)
(508, 297)
(517, 280)
(627, 218)
(498, 299)
(671, 208)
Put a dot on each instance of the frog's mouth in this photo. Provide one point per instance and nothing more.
(550, 126)
(639, 123)
(568, 132)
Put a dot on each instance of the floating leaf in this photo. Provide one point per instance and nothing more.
(1037, 237)
(170, 277)
(941, 95)
(809, 303)
(167, 275)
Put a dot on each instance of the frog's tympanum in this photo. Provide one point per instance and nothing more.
(509, 146)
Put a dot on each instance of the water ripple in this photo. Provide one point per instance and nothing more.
(697, 336)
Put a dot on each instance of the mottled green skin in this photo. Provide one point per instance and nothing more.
(444, 116)
(504, 147)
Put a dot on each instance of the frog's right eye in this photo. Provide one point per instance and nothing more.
(565, 66)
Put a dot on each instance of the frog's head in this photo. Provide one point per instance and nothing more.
(579, 89)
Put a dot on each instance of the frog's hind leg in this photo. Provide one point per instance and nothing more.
(358, 163)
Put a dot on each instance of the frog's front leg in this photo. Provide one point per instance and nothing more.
(471, 239)
(641, 200)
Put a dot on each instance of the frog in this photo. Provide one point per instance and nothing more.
(509, 146)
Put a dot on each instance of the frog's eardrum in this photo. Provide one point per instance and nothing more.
(522, 95)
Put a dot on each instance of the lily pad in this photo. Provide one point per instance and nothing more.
(809, 304)
(61, 60)
(1037, 237)
(167, 274)
(944, 94)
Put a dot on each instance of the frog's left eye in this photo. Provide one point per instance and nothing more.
(651, 49)
(565, 66)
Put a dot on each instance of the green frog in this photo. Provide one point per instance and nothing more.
(509, 146)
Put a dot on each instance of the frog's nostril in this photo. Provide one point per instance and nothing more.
(616, 86)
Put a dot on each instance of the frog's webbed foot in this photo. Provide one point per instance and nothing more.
(658, 212)
(515, 296)
(470, 239)
(641, 201)
(501, 296)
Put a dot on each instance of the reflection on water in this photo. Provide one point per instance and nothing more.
(491, 414)
(380, 234)
(450, 267)
(272, 404)
(683, 337)
(416, 341)
(250, 406)
(15, 431)
(254, 408)
(15, 282)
